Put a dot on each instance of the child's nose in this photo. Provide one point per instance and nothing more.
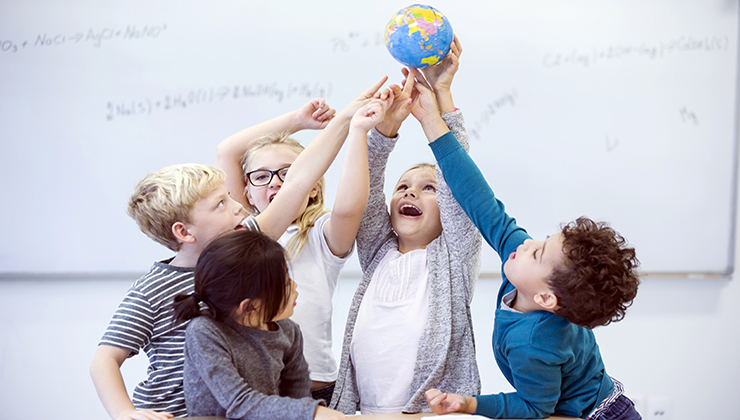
(275, 181)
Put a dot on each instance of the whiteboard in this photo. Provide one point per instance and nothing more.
(623, 111)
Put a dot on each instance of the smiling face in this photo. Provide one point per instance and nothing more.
(271, 158)
(214, 215)
(414, 209)
(529, 268)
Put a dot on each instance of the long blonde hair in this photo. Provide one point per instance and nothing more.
(315, 208)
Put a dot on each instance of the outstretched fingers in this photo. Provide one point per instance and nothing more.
(370, 92)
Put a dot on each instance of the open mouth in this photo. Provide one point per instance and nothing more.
(409, 210)
(272, 197)
(241, 226)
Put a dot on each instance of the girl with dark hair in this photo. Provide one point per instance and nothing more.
(257, 161)
(243, 356)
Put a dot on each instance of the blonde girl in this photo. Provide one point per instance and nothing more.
(257, 162)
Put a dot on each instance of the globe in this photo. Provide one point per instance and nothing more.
(418, 36)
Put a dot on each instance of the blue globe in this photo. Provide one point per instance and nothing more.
(418, 36)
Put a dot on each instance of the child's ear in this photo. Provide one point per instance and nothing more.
(547, 300)
(314, 192)
(182, 233)
(248, 195)
(249, 307)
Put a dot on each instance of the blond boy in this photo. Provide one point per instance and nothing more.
(182, 207)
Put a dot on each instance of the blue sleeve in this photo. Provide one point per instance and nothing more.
(476, 197)
(537, 377)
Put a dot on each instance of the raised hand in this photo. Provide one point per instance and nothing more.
(363, 98)
(374, 111)
(400, 108)
(314, 115)
(424, 102)
(440, 75)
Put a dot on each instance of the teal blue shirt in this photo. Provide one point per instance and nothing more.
(554, 365)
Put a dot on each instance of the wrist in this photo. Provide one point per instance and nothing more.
(434, 127)
(471, 405)
(388, 129)
(445, 102)
(297, 123)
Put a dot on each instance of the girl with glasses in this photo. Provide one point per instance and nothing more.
(318, 243)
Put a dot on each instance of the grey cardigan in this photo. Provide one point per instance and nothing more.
(446, 352)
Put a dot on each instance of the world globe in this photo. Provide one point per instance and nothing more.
(418, 36)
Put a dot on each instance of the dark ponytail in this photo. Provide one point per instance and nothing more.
(186, 307)
(236, 266)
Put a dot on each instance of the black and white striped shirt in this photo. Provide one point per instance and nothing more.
(143, 320)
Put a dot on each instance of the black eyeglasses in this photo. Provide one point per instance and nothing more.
(262, 177)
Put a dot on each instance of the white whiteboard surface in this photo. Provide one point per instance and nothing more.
(624, 111)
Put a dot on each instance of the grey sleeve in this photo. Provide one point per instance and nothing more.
(375, 227)
(295, 381)
(210, 356)
(463, 239)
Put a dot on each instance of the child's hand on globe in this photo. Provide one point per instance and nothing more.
(440, 76)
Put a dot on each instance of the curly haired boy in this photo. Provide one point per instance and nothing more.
(553, 291)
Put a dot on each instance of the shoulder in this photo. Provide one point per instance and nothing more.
(320, 221)
(162, 276)
(250, 222)
(289, 327)
(550, 333)
(202, 325)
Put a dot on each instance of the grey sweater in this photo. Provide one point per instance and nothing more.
(240, 372)
(446, 351)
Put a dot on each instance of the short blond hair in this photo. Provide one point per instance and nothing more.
(167, 196)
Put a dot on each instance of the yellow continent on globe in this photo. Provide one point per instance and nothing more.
(430, 60)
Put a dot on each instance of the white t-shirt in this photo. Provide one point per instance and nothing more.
(389, 323)
(316, 272)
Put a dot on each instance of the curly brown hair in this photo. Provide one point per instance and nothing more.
(599, 280)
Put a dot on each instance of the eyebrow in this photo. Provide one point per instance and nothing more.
(542, 251)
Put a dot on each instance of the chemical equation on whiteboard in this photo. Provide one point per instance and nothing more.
(93, 37)
(204, 96)
(356, 41)
(662, 49)
(505, 100)
(688, 116)
(611, 144)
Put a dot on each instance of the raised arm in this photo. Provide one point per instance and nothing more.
(467, 183)
(440, 77)
(341, 228)
(309, 167)
(315, 114)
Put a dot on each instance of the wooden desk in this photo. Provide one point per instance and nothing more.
(420, 415)
(398, 416)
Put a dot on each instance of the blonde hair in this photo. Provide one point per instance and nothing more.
(419, 166)
(315, 208)
(167, 196)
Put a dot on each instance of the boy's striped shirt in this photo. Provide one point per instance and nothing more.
(143, 320)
